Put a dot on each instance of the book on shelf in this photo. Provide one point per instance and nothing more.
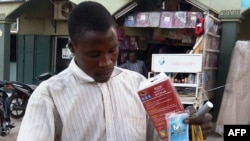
(142, 19)
(130, 21)
(154, 19)
(167, 20)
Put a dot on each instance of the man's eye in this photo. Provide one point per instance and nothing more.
(113, 50)
(94, 54)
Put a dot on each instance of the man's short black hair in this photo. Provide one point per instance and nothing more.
(89, 16)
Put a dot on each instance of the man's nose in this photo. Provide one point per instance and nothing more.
(105, 61)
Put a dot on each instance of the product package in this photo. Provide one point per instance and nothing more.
(154, 19)
(167, 20)
(192, 19)
(142, 19)
(180, 19)
(177, 130)
(130, 21)
(159, 97)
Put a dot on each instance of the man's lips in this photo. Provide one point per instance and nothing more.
(105, 73)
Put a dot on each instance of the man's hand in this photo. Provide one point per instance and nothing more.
(205, 121)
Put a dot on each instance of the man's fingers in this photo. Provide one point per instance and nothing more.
(199, 120)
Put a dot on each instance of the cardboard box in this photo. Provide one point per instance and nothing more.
(159, 97)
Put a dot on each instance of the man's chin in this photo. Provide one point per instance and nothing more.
(102, 80)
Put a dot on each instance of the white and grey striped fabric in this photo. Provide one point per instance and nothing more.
(71, 106)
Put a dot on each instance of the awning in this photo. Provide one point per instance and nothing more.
(17, 12)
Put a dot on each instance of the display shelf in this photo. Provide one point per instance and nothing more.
(166, 43)
(185, 72)
(188, 100)
(214, 35)
(202, 62)
(184, 85)
(213, 50)
(210, 68)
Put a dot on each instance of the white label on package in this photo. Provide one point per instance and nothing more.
(143, 17)
(166, 19)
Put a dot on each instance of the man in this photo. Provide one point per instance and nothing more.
(91, 100)
(135, 65)
(5, 109)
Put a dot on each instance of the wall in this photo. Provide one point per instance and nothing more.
(13, 69)
(42, 26)
(38, 19)
(7, 8)
(40, 16)
(112, 5)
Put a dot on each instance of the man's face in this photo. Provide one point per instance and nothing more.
(132, 57)
(96, 53)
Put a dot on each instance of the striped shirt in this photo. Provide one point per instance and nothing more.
(71, 106)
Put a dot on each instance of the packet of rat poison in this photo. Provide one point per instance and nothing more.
(177, 130)
(159, 97)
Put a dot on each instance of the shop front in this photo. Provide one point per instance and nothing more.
(188, 32)
(145, 26)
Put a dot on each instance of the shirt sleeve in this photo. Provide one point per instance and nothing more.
(38, 123)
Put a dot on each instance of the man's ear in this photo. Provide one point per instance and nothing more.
(71, 45)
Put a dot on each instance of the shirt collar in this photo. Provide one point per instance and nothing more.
(84, 76)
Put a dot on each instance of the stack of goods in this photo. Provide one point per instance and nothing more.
(165, 19)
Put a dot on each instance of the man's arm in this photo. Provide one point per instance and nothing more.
(38, 123)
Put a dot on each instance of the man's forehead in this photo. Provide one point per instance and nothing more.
(96, 36)
(96, 32)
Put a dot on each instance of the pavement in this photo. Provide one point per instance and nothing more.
(12, 136)
(214, 137)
